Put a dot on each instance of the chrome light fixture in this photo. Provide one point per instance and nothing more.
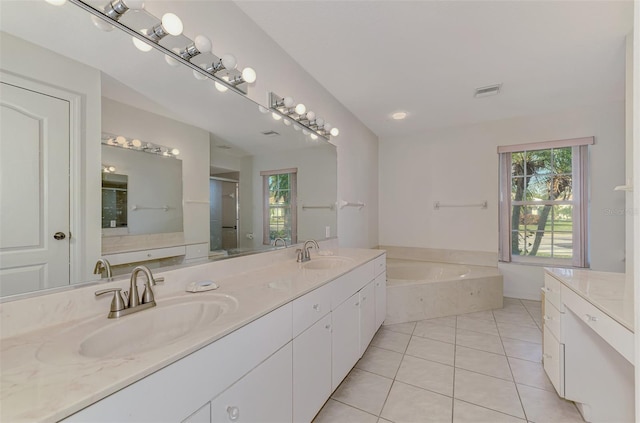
(116, 8)
(300, 117)
(137, 145)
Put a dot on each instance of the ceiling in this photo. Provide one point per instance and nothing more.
(427, 57)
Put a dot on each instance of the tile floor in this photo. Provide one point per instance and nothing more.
(477, 367)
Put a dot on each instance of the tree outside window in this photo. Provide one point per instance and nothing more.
(280, 220)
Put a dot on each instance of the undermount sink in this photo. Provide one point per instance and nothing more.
(171, 320)
(326, 262)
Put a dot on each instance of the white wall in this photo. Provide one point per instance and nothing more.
(193, 143)
(233, 32)
(25, 59)
(460, 165)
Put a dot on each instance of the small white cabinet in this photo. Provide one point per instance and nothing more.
(381, 298)
(263, 395)
(345, 341)
(367, 315)
(311, 370)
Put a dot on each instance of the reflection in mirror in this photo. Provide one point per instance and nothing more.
(97, 82)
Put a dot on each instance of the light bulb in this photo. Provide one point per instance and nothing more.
(111, 169)
(249, 75)
(306, 132)
(276, 116)
(296, 127)
(311, 115)
(314, 137)
(175, 151)
(121, 140)
(220, 87)
(136, 143)
(399, 115)
(172, 24)
(203, 44)
(300, 109)
(262, 109)
(327, 126)
(100, 24)
(134, 4)
(141, 45)
(287, 122)
(199, 76)
(319, 121)
(56, 2)
(171, 61)
(334, 132)
(288, 102)
(229, 61)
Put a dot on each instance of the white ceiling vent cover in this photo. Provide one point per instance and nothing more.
(487, 91)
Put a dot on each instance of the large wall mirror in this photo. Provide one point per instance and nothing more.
(109, 151)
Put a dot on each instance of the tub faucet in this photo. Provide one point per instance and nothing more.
(102, 264)
(133, 303)
(305, 250)
(284, 242)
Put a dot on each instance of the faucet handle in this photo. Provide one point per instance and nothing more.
(299, 256)
(157, 280)
(117, 303)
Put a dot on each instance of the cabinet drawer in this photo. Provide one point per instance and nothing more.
(145, 255)
(553, 358)
(309, 308)
(616, 335)
(347, 285)
(379, 265)
(552, 291)
(553, 320)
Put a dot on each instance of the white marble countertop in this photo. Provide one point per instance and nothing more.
(49, 386)
(611, 293)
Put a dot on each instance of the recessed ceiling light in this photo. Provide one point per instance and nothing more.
(399, 115)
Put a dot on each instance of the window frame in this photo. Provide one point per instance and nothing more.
(580, 203)
(293, 204)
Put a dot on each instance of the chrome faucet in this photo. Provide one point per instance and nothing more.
(304, 255)
(284, 242)
(103, 264)
(133, 303)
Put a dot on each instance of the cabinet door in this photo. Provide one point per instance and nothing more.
(345, 339)
(367, 315)
(263, 395)
(311, 370)
(381, 298)
(553, 360)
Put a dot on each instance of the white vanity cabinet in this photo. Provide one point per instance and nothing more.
(263, 395)
(345, 339)
(367, 316)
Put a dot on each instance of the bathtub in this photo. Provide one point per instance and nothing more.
(418, 290)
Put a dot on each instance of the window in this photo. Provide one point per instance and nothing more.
(279, 215)
(543, 203)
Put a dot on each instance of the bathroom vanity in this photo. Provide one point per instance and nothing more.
(270, 344)
(589, 341)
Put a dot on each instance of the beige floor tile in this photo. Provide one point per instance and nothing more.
(381, 420)
(401, 327)
(479, 341)
(511, 301)
(408, 404)
(532, 305)
(477, 325)
(431, 349)
(336, 412)
(522, 333)
(380, 361)
(363, 390)
(530, 373)
(427, 329)
(391, 340)
(523, 350)
(426, 374)
(483, 315)
(487, 363)
(464, 412)
(444, 321)
(515, 318)
(546, 407)
(486, 391)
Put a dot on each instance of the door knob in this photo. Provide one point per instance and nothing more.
(59, 236)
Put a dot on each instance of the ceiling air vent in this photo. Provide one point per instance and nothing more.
(270, 134)
(487, 91)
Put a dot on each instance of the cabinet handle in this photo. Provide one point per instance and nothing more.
(590, 318)
(327, 327)
(547, 317)
(358, 303)
(364, 298)
(547, 356)
(378, 284)
(545, 289)
(317, 307)
(234, 413)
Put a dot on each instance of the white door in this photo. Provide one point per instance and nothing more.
(34, 190)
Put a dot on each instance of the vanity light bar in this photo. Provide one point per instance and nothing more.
(283, 108)
(236, 80)
(137, 145)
